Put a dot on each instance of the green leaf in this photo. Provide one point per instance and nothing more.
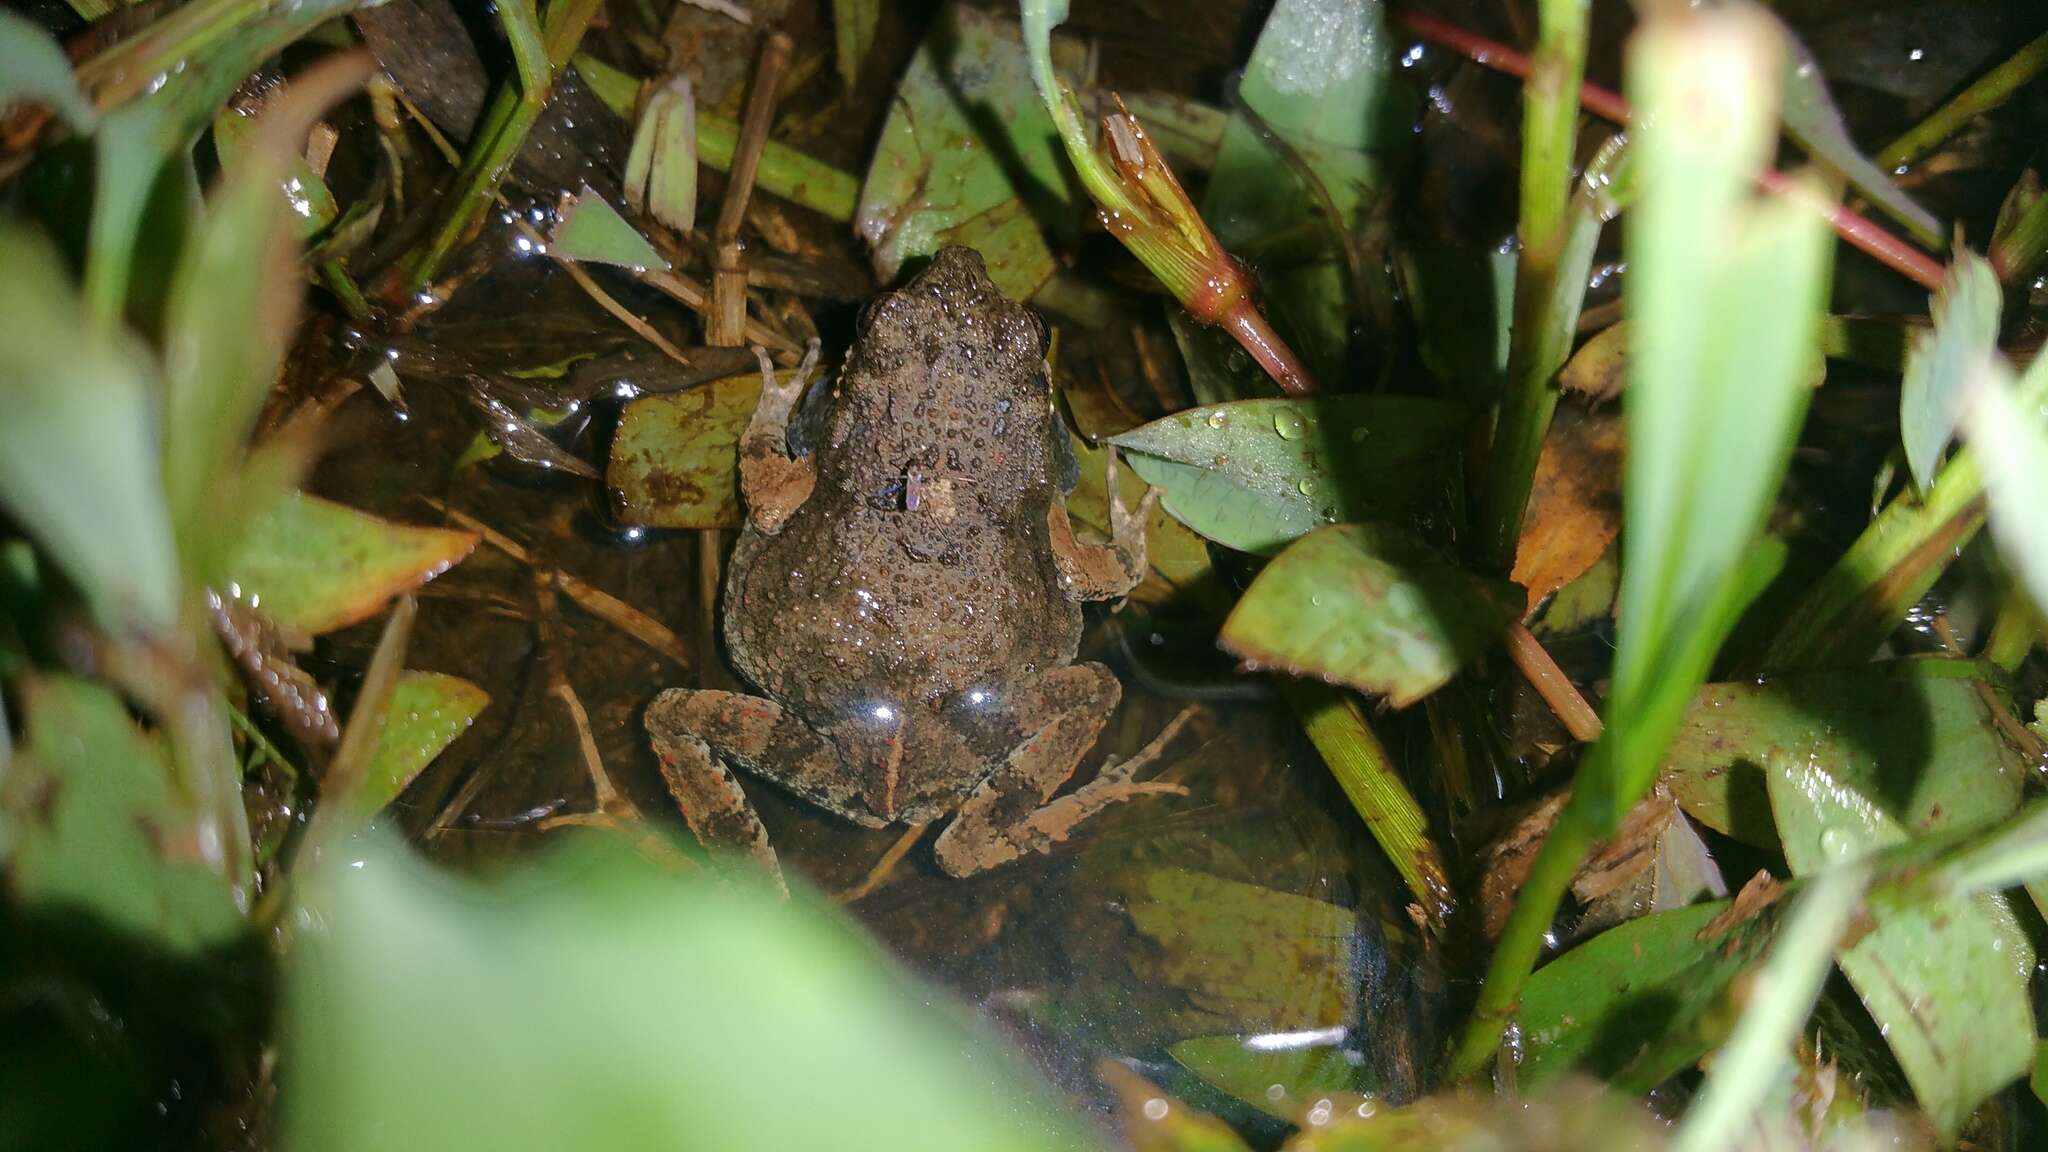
(1370, 606)
(1917, 739)
(1945, 979)
(1939, 362)
(1255, 474)
(35, 70)
(2009, 437)
(1638, 1003)
(853, 34)
(1278, 1080)
(1177, 562)
(91, 821)
(428, 711)
(661, 168)
(969, 156)
(308, 201)
(675, 456)
(591, 229)
(313, 565)
(78, 444)
(1463, 301)
(655, 1009)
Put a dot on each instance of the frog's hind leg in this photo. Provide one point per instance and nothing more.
(1008, 815)
(696, 732)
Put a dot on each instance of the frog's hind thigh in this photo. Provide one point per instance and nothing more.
(1007, 816)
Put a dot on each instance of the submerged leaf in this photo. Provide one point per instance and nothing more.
(675, 456)
(79, 468)
(398, 1035)
(1255, 474)
(1369, 606)
(1280, 1079)
(313, 565)
(92, 822)
(1940, 362)
(428, 711)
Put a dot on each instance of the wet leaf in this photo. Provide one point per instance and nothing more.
(79, 467)
(2013, 445)
(521, 437)
(399, 1035)
(1940, 362)
(1369, 606)
(313, 565)
(591, 229)
(969, 156)
(661, 168)
(90, 821)
(1574, 511)
(1249, 959)
(1278, 1080)
(1813, 121)
(1156, 1122)
(1945, 979)
(1178, 566)
(1574, 1116)
(35, 70)
(853, 34)
(428, 711)
(1916, 739)
(1255, 474)
(1635, 1004)
(308, 202)
(675, 456)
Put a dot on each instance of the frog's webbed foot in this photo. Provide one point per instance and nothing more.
(1008, 816)
(1103, 571)
(713, 805)
(773, 484)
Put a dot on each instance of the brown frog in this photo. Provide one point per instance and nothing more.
(907, 596)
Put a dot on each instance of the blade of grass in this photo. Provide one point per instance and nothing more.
(1989, 91)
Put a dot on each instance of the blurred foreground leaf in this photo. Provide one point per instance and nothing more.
(35, 70)
(2010, 438)
(79, 464)
(593, 999)
(1938, 363)
(90, 820)
(1255, 474)
(1915, 739)
(1370, 606)
(313, 565)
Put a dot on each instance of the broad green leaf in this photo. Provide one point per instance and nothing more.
(428, 711)
(1946, 980)
(1940, 362)
(591, 229)
(79, 466)
(1916, 738)
(2011, 440)
(1280, 1075)
(1816, 125)
(313, 565)
(34, 69)
(654, 1009)
(1319, 79)
(969, 156)
(1638, 1003)
(1255, 474)
(92, 822)
(661, 167)
(1726, 296)
(675, 456)
(853, 33)
(1370, 606)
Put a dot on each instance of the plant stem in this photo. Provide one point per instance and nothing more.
(1990, 90)
(2018, 253)
(1855, 229)
(537, 54)
(2014, 632)
(1358, 760)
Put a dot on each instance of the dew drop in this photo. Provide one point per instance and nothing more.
(1307, 486)
(1289, 426)
(1216, 419)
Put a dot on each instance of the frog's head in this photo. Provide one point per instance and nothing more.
(948, 378)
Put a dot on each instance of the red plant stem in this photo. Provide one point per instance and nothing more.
(1855, 229)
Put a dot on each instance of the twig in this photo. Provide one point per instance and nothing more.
(1533, 661)
(880, 873)
(1859, 231)
(727, 327)
(596, 292)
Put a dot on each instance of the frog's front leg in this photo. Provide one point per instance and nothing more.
(1103, 571)
(697, 732)
(1008, 816)
(773, 484)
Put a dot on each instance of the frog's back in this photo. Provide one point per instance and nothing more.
(921, 566)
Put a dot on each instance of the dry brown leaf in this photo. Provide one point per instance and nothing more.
(1574, 502)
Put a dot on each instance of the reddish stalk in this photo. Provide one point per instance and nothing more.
(1855, 229)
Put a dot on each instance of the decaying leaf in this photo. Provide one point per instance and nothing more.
(1574, 502)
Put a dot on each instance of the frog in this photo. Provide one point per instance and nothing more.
(905, 597)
